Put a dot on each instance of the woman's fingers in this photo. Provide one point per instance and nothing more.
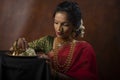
(22, 44)
(43, 56)
(25, 44)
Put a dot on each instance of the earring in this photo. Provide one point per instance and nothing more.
(73, 34)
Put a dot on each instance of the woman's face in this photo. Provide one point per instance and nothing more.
(63, 27)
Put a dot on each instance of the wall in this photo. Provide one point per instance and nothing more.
(33, 19)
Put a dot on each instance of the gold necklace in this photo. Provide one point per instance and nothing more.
(60, 42)
(63, 67)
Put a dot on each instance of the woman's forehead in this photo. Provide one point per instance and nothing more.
(61, 16)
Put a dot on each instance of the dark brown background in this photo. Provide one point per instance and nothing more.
(33, 19)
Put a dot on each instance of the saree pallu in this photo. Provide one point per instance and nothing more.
(83, 66)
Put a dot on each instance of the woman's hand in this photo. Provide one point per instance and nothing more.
(43, 55)
(20, 44)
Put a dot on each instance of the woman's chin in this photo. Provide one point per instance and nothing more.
(59, 36)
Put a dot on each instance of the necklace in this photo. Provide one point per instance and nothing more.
(63, 67)
(60, 42)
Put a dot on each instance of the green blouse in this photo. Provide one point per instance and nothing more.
(43, 44)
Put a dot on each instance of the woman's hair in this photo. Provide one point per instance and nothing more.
(73, 11)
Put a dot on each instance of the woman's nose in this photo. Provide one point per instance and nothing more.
(59, 27)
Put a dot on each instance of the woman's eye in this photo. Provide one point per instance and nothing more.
(65, 24)
(55, 22)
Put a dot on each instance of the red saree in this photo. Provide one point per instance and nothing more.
(83, 64)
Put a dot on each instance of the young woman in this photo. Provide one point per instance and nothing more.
(70, 59)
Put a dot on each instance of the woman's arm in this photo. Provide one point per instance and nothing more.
(43, 44)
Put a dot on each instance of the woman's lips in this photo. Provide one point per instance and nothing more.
(59, 33)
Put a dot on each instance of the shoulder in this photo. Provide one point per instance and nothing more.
(47, 37)
(83, 52)
(42, 40)
(85, 48)
(83, 44)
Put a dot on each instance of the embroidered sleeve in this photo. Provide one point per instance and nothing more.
(43, 44)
